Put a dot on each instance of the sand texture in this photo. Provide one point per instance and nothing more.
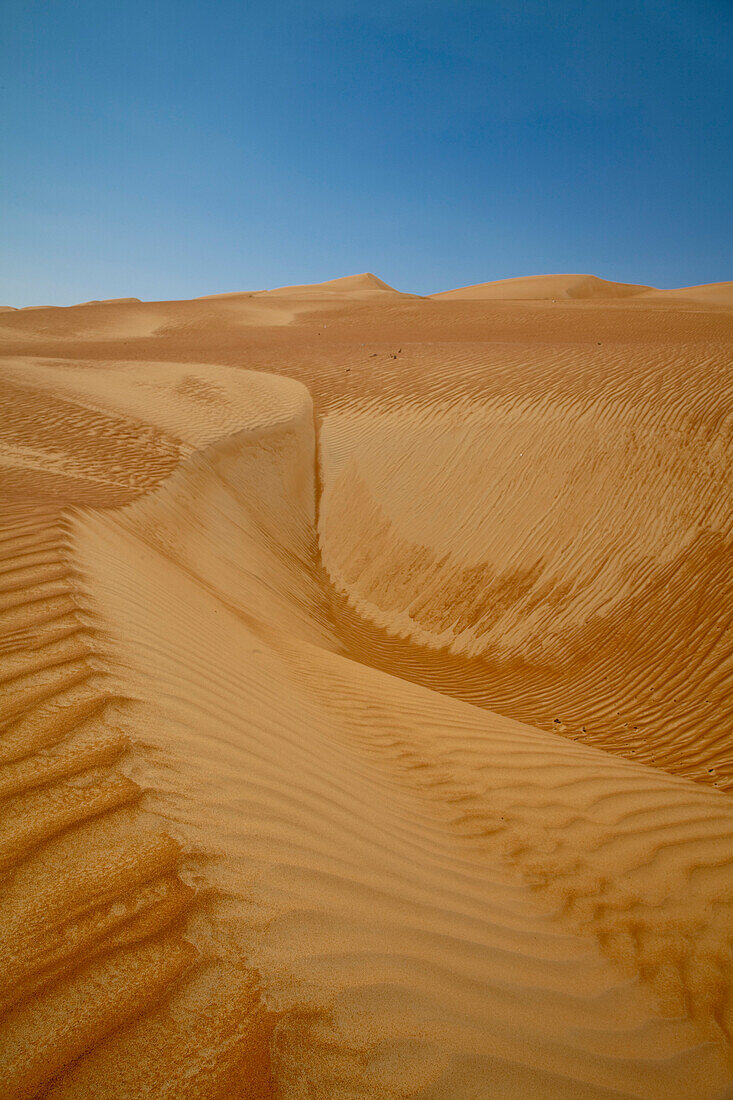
(366, 702)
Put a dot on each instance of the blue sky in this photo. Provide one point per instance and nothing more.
(173, 148)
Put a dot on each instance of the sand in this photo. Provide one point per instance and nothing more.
(366, 705)
(543, 288)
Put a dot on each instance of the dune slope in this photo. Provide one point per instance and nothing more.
(554, 288)
(545, 287)
(242, 857)
(577, 550)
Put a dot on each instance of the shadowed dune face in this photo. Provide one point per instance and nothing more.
(243, 854)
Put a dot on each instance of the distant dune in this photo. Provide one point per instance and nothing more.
(559, 287)
(366, 708)
(543, 287)
(110, 301)
(367, 286)
(719, 294)
(349, 285)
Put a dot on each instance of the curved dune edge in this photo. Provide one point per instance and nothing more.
(380, 891)
(94, 913)
(243, 864)
(555, 544)
(102, 967)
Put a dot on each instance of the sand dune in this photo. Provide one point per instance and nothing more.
(348, 285)
(111, 301)
(540, 288)
(715, 294)
(305, 615)
(544, 287)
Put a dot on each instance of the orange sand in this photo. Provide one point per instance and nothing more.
(366, 705)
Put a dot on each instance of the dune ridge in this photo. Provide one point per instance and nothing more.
(93, 921)
(546, 287)
(244, 854)
(352, 285)
(368, 286)
(116, 558)
(542, 288)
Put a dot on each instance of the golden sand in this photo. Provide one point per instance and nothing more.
(366, 706)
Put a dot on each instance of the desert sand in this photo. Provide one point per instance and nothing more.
(366, 694)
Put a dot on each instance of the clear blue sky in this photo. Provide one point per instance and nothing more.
(172, 148)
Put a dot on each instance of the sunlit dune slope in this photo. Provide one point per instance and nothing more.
(714, 294)
(544, 287)
(348, 285)
(577, 549)
(243, 855)
(354, 287)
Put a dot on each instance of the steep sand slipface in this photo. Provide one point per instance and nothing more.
(238, 862)
(570, 530)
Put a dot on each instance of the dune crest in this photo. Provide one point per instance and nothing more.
(719, 294)
(543, 288)
(349, 285)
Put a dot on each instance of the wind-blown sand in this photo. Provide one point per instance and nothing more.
(366, 700)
